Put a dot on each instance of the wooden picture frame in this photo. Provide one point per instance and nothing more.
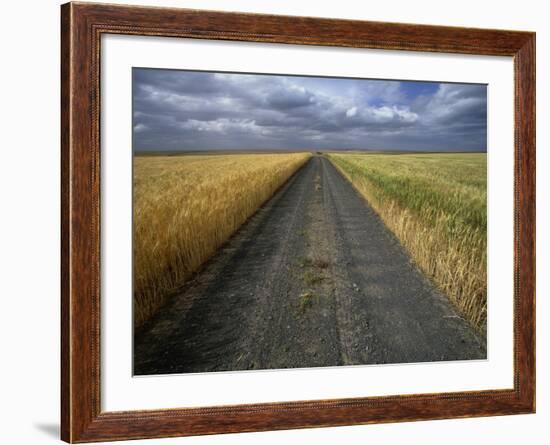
(82, 25)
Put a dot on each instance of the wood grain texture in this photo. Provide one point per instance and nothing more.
(81, 28)
(65, 226)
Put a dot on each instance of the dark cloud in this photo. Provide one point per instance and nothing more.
(288, 98)
(186, 110)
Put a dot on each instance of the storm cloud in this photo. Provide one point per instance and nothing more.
(190, 110)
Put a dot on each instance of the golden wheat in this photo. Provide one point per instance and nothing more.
(437, 206)
(186, 207)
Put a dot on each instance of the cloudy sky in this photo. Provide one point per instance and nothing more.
(192, 110)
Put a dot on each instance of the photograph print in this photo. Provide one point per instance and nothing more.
(284, 221)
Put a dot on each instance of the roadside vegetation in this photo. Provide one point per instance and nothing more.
(436, 204)
(186, 207)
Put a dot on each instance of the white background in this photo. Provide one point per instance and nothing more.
(29, 239)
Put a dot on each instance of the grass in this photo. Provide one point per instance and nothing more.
(186, 207)
(314, 262)
(312, 278)
(306, 301)
(436, 204)
(313, 275)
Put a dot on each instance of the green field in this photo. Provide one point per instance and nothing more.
(436, 204)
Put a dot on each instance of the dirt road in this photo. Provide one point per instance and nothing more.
(314, 278)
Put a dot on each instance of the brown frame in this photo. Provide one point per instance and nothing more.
(82, 25)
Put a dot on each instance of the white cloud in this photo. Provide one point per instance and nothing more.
(223, 126)
(138, 128)
(351, 112)
(405, 114)
(385, 114)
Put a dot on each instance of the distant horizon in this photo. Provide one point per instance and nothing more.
(300, 150)
(201, 111)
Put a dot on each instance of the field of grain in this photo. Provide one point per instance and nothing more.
(436, 204)
(186, 207)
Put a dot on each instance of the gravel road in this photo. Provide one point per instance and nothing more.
(314, 278)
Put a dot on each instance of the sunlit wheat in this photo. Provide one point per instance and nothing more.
(186, 207)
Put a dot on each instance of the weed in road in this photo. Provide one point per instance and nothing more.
(313, 277)
(314, 262)
(306, 301)
(320, 263)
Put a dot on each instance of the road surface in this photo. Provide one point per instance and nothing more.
(314, 278)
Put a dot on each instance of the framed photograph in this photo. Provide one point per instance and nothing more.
(274, 222)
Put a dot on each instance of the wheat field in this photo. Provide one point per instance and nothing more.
(436, 204)
(187, 206)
